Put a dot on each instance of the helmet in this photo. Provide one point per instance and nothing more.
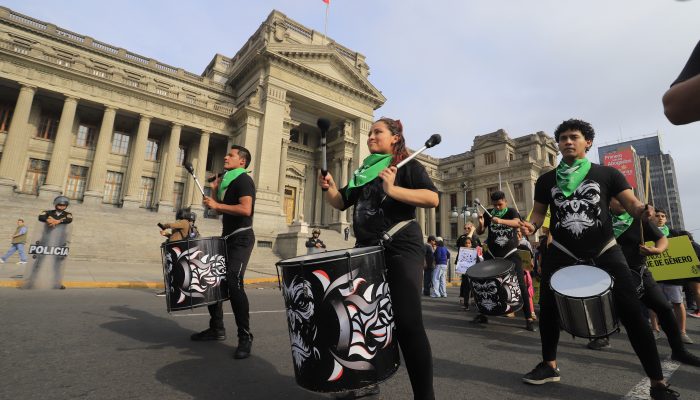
(61, 200)
(185, 213)
(315, 231)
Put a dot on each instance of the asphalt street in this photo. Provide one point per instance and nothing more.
(122, 344)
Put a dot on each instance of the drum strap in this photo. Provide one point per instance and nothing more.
(607, 247)
(239, 230)
(506, 256)
(388, 235)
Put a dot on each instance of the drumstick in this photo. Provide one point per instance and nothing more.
(188, 166)
(433, 140)
(476, 201)
(323, 124)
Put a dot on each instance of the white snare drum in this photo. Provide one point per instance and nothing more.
(584, 299)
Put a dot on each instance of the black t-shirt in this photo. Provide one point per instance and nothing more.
(240, 187)
(582, 222)
(692, 67)
(630, 241)
(372, 216)
(501, 238)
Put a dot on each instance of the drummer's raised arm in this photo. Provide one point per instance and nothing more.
(539, 211)
(333, 196)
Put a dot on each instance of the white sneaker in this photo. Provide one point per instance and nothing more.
(2, 261)
(21, 262)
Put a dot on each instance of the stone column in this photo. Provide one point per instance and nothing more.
(165, 205)
(16, 142)
(138, 154)
(420, 217)
(200, 169)
(55, 178)
(98, 169)
(283, 172)
(431, 222)
(344, 181)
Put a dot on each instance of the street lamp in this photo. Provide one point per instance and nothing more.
(466, 211)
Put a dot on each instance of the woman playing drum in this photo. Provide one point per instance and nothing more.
(384, 196)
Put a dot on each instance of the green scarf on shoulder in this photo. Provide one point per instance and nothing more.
(570, 176)
(621, 223)
(664, 229)
(229, 177)
(499, 213)
(370, 169)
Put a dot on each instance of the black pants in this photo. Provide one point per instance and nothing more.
(515, 258)
(465, 289)
(238, 249)
(627, 305)
(427, 281)
(655, 300)
(404, 276)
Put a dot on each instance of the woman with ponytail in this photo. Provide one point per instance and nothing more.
(384, 196)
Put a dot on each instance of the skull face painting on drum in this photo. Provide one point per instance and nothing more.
(195, 272)
(341, 324)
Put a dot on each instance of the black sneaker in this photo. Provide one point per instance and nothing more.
(687, 358)
(359, 393)
(209, 334)
(542, 373)
(599, 344)
(481, 319)
(243, 349)
(530, 325)
(663, 393)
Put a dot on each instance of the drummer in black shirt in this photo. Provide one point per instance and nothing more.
(578, 193)
(384, 196)
(502, 242)
(628, 235)
(235, 192)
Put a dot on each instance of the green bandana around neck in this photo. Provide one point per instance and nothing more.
(370, 169)
(570, 176)
(229, 177)
(499, 213)
(621, 223)
(664, 229)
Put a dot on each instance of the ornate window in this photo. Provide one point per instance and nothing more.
(36, 175)
(181, 156)
(77, 178)
(178, 193)
(152, 150)
(48, 125)
(86, 137)
(146, 192)
(113, 187)
(120, 143)
(5, 117)
(490, 158)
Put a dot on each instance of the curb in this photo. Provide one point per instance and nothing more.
(122, 284)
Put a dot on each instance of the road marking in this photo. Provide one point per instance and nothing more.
(229, 313)
(641, 391)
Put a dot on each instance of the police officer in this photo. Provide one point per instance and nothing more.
(315, 244)
(52, 219)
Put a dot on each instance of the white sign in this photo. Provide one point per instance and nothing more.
(467, 257)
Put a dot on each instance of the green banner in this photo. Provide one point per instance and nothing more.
(677, 262)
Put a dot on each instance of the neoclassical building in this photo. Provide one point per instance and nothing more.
(111, 128)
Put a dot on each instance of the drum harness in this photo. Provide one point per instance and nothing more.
(239, 230)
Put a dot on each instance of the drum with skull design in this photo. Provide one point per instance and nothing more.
(496, 288)
(340, 319)
(194, 272)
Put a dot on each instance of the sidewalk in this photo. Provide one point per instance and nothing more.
(88, 274)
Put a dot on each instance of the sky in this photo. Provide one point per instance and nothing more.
(458, 68)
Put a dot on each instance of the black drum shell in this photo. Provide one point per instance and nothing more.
(496, 287)
(321, 323)
(194, 271)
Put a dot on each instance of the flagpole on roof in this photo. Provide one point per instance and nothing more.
(325, 23)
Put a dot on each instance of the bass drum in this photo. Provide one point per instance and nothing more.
(194, 271)
(496, 288)
(340, 319)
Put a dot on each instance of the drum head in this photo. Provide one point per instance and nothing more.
(311, 259)
(581, 281)
(490, 268)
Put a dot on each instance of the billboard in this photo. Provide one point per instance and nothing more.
(623, 161)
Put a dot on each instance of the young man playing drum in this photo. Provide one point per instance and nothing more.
(629, 236)
(235, 199)
(502, 242)
(578, 193)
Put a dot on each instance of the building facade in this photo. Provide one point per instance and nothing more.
(664, 192)
(113, 129)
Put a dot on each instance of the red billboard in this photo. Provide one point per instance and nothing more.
(623, 161)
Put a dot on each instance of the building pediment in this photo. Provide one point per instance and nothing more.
(328, 64)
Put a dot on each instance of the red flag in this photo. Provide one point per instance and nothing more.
(327, 1)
